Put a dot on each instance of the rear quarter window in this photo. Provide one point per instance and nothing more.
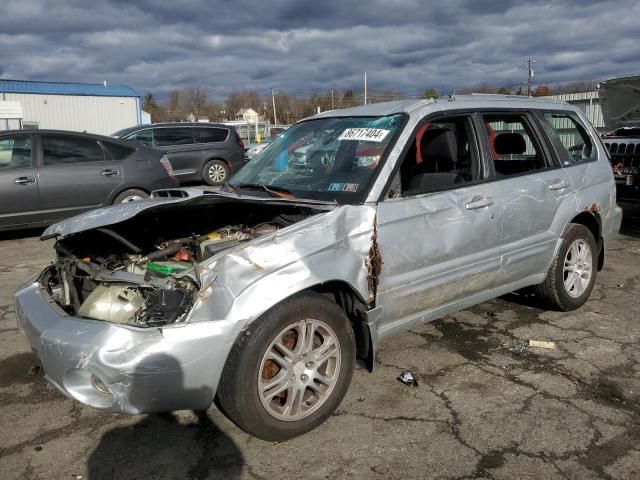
(116, 151)
(574, 142)
(211, 134)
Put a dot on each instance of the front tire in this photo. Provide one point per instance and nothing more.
(289, 371)
(215, 172)
(572, 274)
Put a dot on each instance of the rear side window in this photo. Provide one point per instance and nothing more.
(211, 134)
(173, 136)
(514, 148)
(117, 151)
(572, 135)
(15, 152)
(62, 149)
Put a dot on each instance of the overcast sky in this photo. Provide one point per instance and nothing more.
(406, 45)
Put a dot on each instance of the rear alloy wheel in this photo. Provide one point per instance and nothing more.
(572, 274)
(289, 371)
(215, 172)
(131, 195)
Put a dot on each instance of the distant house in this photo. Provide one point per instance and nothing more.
(248, 115)
(201, 118)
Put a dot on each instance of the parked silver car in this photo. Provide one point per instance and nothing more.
(263, 295)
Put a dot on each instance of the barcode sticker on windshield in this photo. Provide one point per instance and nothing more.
(365, 134)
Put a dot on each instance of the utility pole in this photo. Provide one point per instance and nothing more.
(273, 99)
(365, 88)
(530, 75)
(333, 105)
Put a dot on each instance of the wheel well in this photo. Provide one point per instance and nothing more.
(115, 195)
(354, 307)
(592, 221)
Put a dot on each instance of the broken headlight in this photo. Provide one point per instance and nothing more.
(133, 305)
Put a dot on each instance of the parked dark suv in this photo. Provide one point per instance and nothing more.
(208, 152)
(49, 175)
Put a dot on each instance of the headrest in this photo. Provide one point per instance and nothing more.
(509, 143)
(439, 146)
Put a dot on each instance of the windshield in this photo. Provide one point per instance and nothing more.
(332, 159)
(120, 133)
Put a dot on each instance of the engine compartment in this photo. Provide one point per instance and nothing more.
(141, 271)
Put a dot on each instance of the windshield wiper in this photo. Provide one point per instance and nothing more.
(274, 191)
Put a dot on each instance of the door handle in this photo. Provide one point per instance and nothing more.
(559, 185)
(478, 202)
(24, 181)
(109, 172)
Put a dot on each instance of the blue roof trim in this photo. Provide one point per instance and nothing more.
(61, 88)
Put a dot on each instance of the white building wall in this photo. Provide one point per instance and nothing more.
(102, 115)
(588, 102)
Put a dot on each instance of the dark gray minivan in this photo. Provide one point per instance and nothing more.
(50, 175)
(198, 152)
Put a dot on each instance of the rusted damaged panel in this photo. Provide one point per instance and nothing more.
(594, 207)
(374, 264)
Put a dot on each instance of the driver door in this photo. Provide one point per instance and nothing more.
(439, 240)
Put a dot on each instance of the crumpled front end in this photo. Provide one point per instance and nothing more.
(139, 316)
(119, 367)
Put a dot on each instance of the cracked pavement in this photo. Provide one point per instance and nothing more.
(487, 405)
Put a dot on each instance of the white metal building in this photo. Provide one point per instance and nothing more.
(588, 102)
(94, 108)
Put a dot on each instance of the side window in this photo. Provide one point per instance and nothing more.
(62, 149)
(573, 136)
(15, 152)
(173, 136)
(117, 151)
(443, 155)
(143, 136)
(514, 148)
(211, 134)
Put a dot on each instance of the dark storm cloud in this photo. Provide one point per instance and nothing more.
(406, 45)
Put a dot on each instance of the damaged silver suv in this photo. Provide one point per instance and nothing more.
(264, 294)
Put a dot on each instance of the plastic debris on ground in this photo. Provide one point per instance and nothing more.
(408, 379)
(542, 344)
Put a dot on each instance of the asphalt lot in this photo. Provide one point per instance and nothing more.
(487, 405)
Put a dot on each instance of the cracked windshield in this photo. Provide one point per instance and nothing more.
(333, 159)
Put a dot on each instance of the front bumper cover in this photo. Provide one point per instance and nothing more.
(121, 368)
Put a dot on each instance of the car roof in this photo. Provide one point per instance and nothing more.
(65, 132)
(454, 102)
(176, 124)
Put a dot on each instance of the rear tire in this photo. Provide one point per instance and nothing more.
(130, 195)
(289, 371)
(215, 172)
(572, 274)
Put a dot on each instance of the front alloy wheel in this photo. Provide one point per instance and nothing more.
(289, 370)
(299, 370)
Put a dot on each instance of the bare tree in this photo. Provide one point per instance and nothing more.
(173, 107)
(195, 101)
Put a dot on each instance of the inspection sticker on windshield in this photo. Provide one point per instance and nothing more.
(344, 187)
(366, 134)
